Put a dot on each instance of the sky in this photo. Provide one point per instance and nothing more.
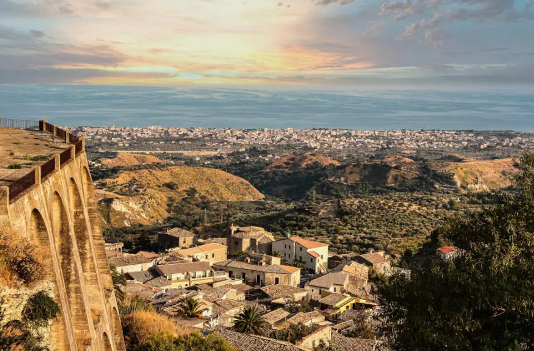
(268, 43)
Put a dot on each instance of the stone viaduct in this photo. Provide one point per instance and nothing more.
(58, 211)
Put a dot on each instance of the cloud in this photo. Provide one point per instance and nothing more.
(329, 2)
(441, 11)
(375, 28)
(37, 33)
(47, 8)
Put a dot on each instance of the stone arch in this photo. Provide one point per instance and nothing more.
(106, 342)
(117, 329)
(39, 234)
(94, 219)
(85, 249)
(65, 248)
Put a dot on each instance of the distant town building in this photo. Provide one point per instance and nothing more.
(205, 253)
(131, 263)
(250, 239)
(260, 274)
(314, 255)
(186, 273)
(379, 261)
(176, 238)
(448, 252)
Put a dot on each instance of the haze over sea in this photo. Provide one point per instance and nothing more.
(87, 105)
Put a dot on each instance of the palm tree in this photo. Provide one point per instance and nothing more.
(250, 321)
(190, 307)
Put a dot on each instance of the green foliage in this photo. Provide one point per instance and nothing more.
(250, 321)
(37, 158)
(116, 277)
(14, 166)
(40, 310)
(190, 307)
(14, 336)
(482, 299)
(294, 333)
(293, 306)
(165, 341)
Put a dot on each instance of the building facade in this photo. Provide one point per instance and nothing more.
(260, 274)
(312, 254)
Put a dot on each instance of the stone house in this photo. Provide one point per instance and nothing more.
(448, 252)
(176, 238)
(249, 239)
(260, 274)
(276, 319)
(186, 273)
(281, 294)
(335, 282)
(313, 254)
(205, 253)
(379, 261)
(131, 263)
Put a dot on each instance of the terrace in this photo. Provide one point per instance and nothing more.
(30, 151)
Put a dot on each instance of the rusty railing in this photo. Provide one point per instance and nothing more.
(78, 147)
(61, 134)
(48, 168)
(22, 184)
(29, 180)
(65, 157)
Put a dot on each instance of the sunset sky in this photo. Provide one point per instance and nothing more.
(319, 43)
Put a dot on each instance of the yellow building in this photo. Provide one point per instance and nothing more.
(333, 305)
(205, 253)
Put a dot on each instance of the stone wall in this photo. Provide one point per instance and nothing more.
(60, 214)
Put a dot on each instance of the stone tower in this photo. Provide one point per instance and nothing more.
(52, 204)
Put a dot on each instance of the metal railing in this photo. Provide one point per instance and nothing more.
(19, 186)
(48, 168)
(65, 157)
(27, 181)
(19, 123)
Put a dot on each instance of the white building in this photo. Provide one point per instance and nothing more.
(312, 254)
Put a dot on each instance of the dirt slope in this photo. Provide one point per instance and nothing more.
(128, 160)
(292, 163)
(482, 175)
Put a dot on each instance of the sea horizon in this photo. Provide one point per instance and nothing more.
(256, 108)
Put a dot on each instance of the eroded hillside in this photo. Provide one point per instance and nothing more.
(142, 196)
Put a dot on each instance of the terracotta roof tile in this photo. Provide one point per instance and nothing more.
(307, 243)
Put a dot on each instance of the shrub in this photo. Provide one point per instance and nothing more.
(20, 262)
(40, 310)
(14, 166)
(140, 327)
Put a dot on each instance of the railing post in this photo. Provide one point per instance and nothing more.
(67, 137)
(58, 162)
(72, 151)
(4, 197)
(83, 143)
(42, 125)
(37, 175)
(55, 131)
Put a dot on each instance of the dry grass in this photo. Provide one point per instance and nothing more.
(21, 263)
(140, 326)
(128, 160)
(483, 175)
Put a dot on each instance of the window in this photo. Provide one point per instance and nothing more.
(276, 280)
(243, 276)
(301, 249)
(311, 260)
(204, 274)
(185, 240)
(313, 290)
(230, 274)
(335, 290)
(285, 246)
(289, 255)
(212, 255)
(258, 279)
(321, 257)
(206, 257)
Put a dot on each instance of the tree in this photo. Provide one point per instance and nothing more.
(190, 307)
(484, 298)
(250, 321)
